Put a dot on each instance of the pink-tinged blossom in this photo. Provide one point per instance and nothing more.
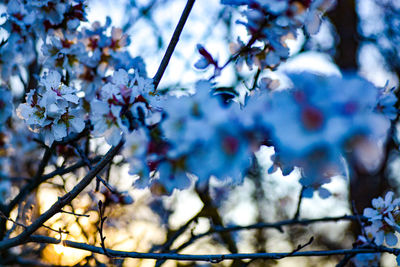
(104, 52)
(201, 131)
(324, 129)
(324, 126)
(381, 207)
(63, 53)
(122, 105)
(272, 23)
(53, 110)
(28, 21)
(104, 118)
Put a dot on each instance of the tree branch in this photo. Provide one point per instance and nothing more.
(213, 258)
(172, 44)
(65, 200)
(28, 188)
(277, 225)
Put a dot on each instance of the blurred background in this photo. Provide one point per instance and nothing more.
(356, 36)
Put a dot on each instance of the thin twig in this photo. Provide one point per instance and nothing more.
(75, 214)
(2, 215)
(256, 76)
(277, 225)
(297, 214)
(300, 247)
(24, 226)
(102, 209)
(28, 188)
(355, 212)
(59, 231)
(63, 201)
(98, 177)
(167, 245)
(35, 182)
(213, 258)
(172, 44)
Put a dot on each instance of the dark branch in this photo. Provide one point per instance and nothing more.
(297, 214)
(87, 163)
(277, 225)
(172, 44)
(213, 258)
(63, 201)
(28, 188)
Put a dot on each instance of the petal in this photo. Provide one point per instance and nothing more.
(99, 127)
(116, 110)
(113, 136)
(51, 80)
(59, 130)
(379, 236)
(24, 111)
(48, 138)
(108, 91)
(371, 213)
(72, 98)
(78, 124)
(324, 193)
(388, 198)
(120, 77)
(391, 239)
(99, 107)
(54, 111)
(378, 202)
(201, 64)
(313, 22)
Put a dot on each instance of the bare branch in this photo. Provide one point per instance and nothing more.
(102, 209)
(278, 226)
(65, 200)
(87, 163)
(213, 258)
(297, 214)
(75, 214)
(172, 44)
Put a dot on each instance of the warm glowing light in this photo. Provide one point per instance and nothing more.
(63, 255)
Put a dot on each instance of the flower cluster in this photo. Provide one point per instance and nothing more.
(319, 129)
(28, 21)
(324, 127)
(323, 122)
(384, 217)
(199, 136)
(382, 226)
(87, 54)
(272, 23)
(54, 109)
(122, 105)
